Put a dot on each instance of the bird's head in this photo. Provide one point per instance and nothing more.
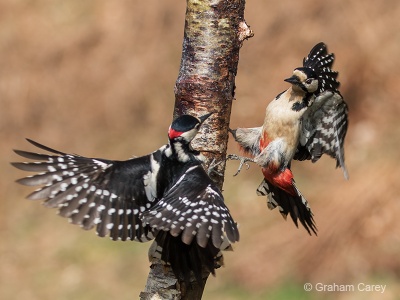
(304, 80)
(184, 128)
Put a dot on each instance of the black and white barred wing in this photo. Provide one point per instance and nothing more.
(194, 208)
(91, 192)
(324, 128)
(320, 61)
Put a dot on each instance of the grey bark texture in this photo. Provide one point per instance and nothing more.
(214, 32)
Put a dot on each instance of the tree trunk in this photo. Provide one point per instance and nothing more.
(214, 33)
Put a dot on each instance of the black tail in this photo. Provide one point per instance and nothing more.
(185, 260)
(296, 206)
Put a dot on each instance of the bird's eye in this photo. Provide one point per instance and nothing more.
(309, 80)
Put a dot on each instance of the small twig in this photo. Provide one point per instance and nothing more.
(243, 161)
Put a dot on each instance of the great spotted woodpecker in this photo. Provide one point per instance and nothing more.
(166, 195)
(303, 122)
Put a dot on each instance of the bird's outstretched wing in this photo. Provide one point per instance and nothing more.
(93, 192)
(324, 128)
(320, 61)
(194, 211)
(193, 224)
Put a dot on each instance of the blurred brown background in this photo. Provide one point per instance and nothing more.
(96, 78)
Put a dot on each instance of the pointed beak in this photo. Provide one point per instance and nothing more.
(293, 80)
(205, 117)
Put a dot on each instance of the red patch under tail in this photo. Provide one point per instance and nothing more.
(283, 180)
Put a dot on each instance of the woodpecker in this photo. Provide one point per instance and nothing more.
(302, 123)
(166, 195)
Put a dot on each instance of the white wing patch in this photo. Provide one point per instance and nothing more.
(150, 180)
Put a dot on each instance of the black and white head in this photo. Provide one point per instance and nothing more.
(184, 128)
(316, 75)
(304, 80)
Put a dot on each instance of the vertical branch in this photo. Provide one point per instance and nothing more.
(214, 33)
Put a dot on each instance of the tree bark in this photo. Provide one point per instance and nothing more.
(214, 33)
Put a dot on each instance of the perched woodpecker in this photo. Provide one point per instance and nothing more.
(166, 195)
(303, 122)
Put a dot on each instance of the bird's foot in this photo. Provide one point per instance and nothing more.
(212, 168)
(243, 161)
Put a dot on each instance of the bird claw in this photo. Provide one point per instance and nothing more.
(243, 161)
(212, 168)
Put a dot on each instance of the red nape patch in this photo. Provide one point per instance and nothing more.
(174, 134)
(283, 180)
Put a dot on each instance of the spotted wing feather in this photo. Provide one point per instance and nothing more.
(193, 224)
(324, 129)
(194, 211)
(320, 61)
(91, 192)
